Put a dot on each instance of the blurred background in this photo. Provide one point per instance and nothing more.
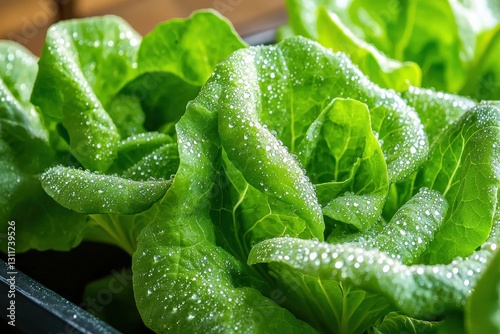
(26, 21)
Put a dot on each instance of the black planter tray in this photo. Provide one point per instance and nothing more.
(40, 310)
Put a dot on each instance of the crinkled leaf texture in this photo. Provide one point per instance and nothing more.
(296, 80)
(330, 24)
(20, 124)
(482, 314)
(183, 281)
(343, 158)
(454, 43)
(464, 166)
(395, 323)
(83, 65)
(85, 68)
(420, 291)
(92, 193)
(24, 153)
(174, 62)
(239, 181)
(408, 234)
(356, 308)
(436, 110)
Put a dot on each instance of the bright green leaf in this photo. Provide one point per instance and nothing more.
(84, 64)
(20, 125)
(182, 279)
(88, 192)
(417, 290)
(436, 110)
(464, 166)
(395, 323)
(386, 72)
(482, 313)
(343, 158)
(174, 62)
(134, 148)
(162, 163)
(331, 306)
(409, 231)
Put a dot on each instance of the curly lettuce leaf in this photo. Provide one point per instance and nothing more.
(352, 189)
(182, 279)
(408, 234)
(11, 183)
(134, 148)
(330, 306)
(436, 110)
(25, 151)
(90, 193)
(355, 308)
(43, 224)
(174, 62)
(161, 163)
(420, 291)
(20, 125)
(292, 82)
(454, 43)
(330, 23)
(464, 166)
(395, 323)
(244, 215)
(482, 313)
(83, 65)
(385, 71)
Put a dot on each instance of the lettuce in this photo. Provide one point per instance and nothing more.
(305, 186)
(446, 45)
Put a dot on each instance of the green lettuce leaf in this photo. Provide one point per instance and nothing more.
(12, 180)
(84, 64)
(395, 323)
(386, 72)
(134, 148)
(454, 43)
(408, 234)
(162, 163)
(174, 62)
(436, 110)
(484, 71)
(464, 166)
(329, 305)
(355, 308)
(20, 125)
(354, 188)
(90, 193)
(43, 224)
(330, 23)
(25, 151)
(182, 279)
(420, 291)
(482, 313)
(289, 102)
(244, 215)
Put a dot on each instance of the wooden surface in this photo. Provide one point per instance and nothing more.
(26, 21)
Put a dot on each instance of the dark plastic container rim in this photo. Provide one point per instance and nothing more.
(40, 310)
